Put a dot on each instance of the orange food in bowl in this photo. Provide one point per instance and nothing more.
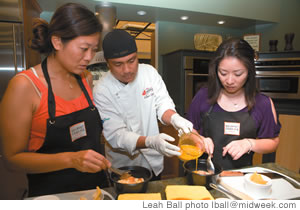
(257, 178)
(201, 172)
(131, 180)
(190, 152)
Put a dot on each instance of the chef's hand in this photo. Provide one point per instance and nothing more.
(89, 161)
(181, 124)
(160, 144)
(238, 148)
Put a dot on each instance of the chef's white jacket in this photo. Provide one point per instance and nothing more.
(130, 111)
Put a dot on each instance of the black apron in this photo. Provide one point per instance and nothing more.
(59, 139)
(213, 124)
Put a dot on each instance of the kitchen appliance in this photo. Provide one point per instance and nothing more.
(184, 72)
(106, 13)
(12, 61)
(12, 51)
(98, 67)
(196, 76)
(278, 74)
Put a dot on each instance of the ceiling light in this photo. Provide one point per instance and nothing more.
(184, 17)
(141, 12)
(221, 22)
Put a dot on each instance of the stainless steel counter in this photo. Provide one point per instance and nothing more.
(159, 186)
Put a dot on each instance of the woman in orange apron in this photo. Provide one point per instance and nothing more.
(50, 127)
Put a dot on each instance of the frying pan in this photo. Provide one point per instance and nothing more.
(135, 171)
(197, 179)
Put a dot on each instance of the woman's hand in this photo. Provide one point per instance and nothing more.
(89, 161)
(237, 149)
(209, 145)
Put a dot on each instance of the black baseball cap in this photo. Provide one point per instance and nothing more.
(118, 43)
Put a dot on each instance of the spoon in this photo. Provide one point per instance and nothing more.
(124, 174)
(210, 166)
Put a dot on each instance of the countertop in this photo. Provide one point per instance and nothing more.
(159, 186)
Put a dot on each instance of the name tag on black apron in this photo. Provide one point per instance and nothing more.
(232, 128)
(77, 131)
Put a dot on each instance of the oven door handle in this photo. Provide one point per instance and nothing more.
(277, 66)
(277, 74)
(196, 74)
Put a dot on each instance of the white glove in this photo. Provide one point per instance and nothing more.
(181, 124)
(160, 144)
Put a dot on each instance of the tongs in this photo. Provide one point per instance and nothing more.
(226, 192)
(124, 174)
(234, 191)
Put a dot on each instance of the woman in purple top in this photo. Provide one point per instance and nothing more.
(235, 119)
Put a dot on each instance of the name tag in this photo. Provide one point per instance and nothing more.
(77, 131)
(232, 128)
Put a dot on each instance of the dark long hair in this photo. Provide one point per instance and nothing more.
(68, 22)
(241, 50)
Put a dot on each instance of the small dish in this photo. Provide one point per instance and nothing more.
(258, 189)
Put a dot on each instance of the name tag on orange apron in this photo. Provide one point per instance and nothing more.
(232, 128)
(77, 131)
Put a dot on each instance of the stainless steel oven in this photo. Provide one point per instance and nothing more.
(279, 77)
(196, 76)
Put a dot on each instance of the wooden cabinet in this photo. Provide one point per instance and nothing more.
(31, 10)
(288, 152)
(171, 164)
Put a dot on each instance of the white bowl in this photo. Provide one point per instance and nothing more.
(47, 197)
(258, 189)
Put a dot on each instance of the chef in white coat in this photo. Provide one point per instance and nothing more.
(130, 99)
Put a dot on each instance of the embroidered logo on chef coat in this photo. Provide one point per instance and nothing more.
(105, 119)
(77, 131)
(148, 92)
(232, 128)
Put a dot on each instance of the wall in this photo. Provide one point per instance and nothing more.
(289, 22)
(173, 36)
(254, 9)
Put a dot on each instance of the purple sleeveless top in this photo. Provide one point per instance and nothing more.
(261, 113)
